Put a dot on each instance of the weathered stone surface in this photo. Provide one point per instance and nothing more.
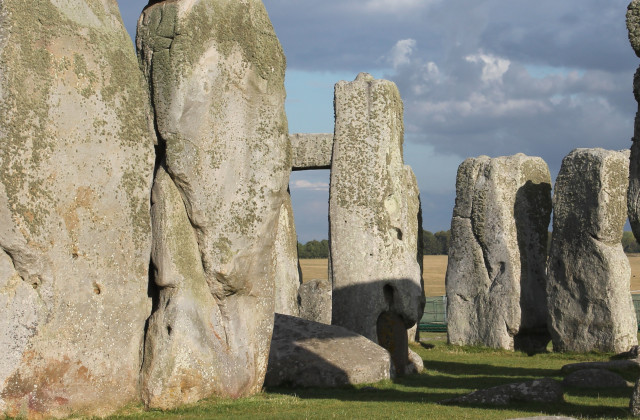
(589, 301)
(311, 151)
(216, 70)
(633, 25)
(315, 300)
(540, 390)
(76, 162)
(633, 195)
(634, 404)
(594, 378)
(632, 366)
(416, 364)
(496, 273)
(185, 350)
(310, 354)
(373, 212)
(287, 269)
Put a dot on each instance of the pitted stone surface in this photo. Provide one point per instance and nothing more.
(633, 25)
(589, 301)
(76, 162)
(311, 151)
(310, 354)
(544, 390)
(287, 269)
(216, 69)
(373, 211)
(495, 278)
(594, 378)
(315, 300)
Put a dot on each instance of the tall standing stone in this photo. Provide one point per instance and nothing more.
(76, 162)
(216, 70)
(633, 202)
(590, 306)
(373, 212)
(496, 272)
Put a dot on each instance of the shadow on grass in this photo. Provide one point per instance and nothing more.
(455, 368)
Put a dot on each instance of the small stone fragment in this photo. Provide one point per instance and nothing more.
(594, 378)
(543, 390)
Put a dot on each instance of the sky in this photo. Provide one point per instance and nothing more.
(477, 77)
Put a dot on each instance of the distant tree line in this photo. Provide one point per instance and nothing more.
(436, 244)
(314, 249)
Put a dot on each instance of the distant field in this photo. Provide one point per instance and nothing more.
(435, 267)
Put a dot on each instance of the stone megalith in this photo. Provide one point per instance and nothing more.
(287, 268)
(373, 212)
(590, 306)
(216, 71)
(633, 201)
(495, 278)
(76, 164)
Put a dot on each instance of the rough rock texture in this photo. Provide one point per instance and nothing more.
(311, 151)
(287, 268)
(590, 306)
(76, 162)
(633, 195)
(633, 25)
(632, 366)
(216, 70)
(310, 354)
(373, 211)
(315, 301)
(496, 273)
(416, 364)
(594, 378)
(540, 390)
(634, 404)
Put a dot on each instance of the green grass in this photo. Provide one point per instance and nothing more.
(450, 371)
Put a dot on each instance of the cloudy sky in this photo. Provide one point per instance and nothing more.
(478, 77)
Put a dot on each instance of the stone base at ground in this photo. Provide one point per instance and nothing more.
(309, 354)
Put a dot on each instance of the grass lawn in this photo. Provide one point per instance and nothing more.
(450, 371)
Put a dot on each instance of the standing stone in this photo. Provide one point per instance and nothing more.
(287, 269)
(590, 306)
(634, 403)
(315, 300)
(76, 162)
(633, 202)
(216, 70)
(373, 212)
(496, 273)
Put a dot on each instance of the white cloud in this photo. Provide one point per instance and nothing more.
(401, 52)
(493, 67)
(303, 184)
(386, 6)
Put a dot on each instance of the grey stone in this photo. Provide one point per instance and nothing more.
(373, 210)
(633, 25)
(632, 366)
(76, 164)
(634, 404)
(311, 151)
(543, 390)
(589, 301)
(216, 69)
(309, 354)
(545, 418)
(416, 364)
(287, 269)
(633, 194)
(594, 378)
(315, 300)
(495, 278)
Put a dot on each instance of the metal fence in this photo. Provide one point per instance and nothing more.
(434, 318)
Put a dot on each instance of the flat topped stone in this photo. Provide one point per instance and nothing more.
(311, 151)
(543, 390)
(309, 354)
(594, 378)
